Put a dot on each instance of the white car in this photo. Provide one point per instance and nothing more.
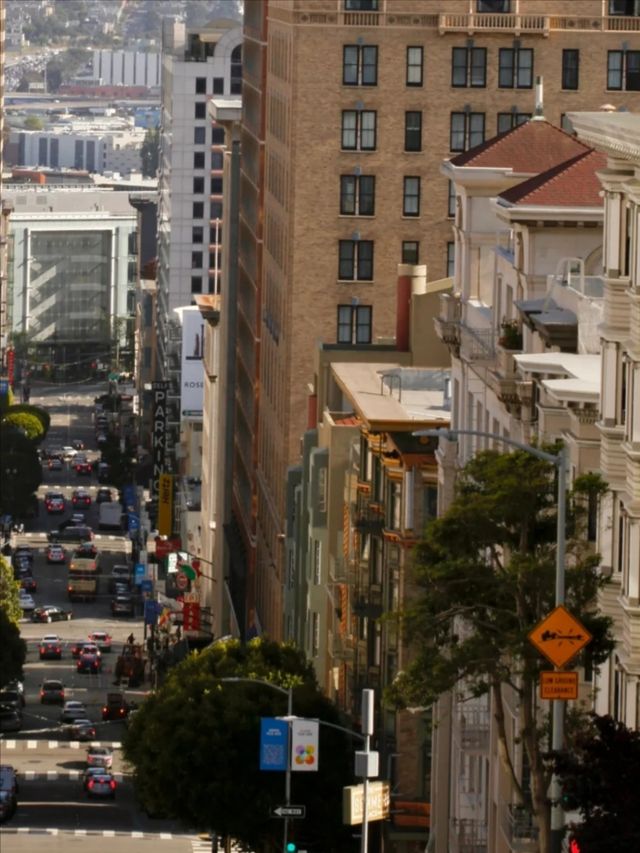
(73, 710)
(26, 601)
(69, 452)
(99, 756)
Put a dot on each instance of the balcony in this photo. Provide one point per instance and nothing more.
(447, 324)
(469, 835)
(519, 829)
(473, 727)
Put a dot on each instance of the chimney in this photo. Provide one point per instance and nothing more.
(312, 409)
(403, 306)
(539, 108)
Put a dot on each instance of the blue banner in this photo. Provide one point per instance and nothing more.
(152, 609)
(274, 744)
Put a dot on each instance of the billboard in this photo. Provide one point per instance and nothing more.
(158, 433)
(192, 375)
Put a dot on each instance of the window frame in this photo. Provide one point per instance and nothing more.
(515, 68)
(199, 135)
(350, 318)
(362, 187)
(405, 249)
(466, 131)
(570, 70)
(360, 65)
(492, 11)
(471, 54)
(512, 124)
(623, 70)
(350, 253)
(358, 130)
(451, 199)
(408, 131)
(411, 191)
(200, 85)
(413, 65)
(451, 259)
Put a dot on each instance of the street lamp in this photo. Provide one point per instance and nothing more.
(559, 460)
(288, 692)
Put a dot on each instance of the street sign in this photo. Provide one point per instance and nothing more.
(140, 569)
(559, 685)
(182, 581)
(146, 585)
(290, 811)
(378, 802)
(559, 637)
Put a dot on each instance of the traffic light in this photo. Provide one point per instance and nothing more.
(292, 847)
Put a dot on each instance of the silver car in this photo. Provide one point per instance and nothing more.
(101, 785)
(72, 711)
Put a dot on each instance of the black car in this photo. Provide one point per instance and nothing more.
(12, 698)
(27, 580)
(22, 556)
(49, 613)
(122, 605)
(103, 495)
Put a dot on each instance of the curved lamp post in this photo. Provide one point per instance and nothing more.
(559, 460)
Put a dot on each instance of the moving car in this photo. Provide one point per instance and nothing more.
(10, 720)
(50, 613)
(77, 444)
(8, 791)
(55, 553)
(71, 533)
(122, 605)
(12, 698)
(101, 785)
(103, 495)
(72, 711)
(83, 468)
(116, 707)
(22, 556)
(82, 730)
(27, 580)
(99, 756)
(54, 502)
(101, 639)
(51, 647)
(78, 518)
(80, 498)
(52, 692)
(55, 464)
(119, 574)
(110, 516)
(69, 452)
(26, 601)
(89, 661)
(86, 551)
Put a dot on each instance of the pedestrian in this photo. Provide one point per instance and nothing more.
(131, 639)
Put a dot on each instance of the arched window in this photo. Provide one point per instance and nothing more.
(236, 70)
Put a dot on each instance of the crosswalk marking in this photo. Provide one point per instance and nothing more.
(32, 744)
(57, 744)
(165, 836)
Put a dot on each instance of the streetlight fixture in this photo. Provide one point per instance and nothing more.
(559, 460)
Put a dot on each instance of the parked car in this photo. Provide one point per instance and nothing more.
(80, 498)
(50, 613)
(10, 721)
(101, 639)
(77, 444)
(83, 469)
(54, 502)
(116, 707)
(122, 605)
(82, 730)
(55, 464)
(22, 556)
(101, 785)
(55, 553)
(52, 692)
(99, 756)
(27, 580)
(103, 495)
(51, 647)
(119, 574)
(8, 791)
(27, 603)
(73, 710)
(12, 698)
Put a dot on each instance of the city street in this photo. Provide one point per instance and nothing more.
(52, 802)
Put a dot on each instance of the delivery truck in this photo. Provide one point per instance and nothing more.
(110, 516)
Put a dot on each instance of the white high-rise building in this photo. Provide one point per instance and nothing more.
(196, 66)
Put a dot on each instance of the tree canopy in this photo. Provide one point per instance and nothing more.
(9, 595)
(13, 649)
(32, 420)
(485, 576)
(600, 780)
(20, 469)
(194, 746)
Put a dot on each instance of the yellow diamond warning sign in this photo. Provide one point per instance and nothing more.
(559, 637)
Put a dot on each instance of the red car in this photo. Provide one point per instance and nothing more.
(84, 468)
(80, 498)
(54, 502)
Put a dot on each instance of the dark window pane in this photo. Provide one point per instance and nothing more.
(410, 251)
(216, 186)
(459, 66)
(196, 260)
(614, 69)
(369, 65)
(198, 160)
(505, 122)
(478, 67)
(217, 160)
(525, 68)
(344, 324)
(451, 202)
(413, 131)
(350, 65)
(217, 135)
(198, 185)
(199, 135)
(503, 6)
(414, 66)
(200, 110)
(215, 210)
(201, 85)
(196, 284)
(505, 67)
(365, 260)
(197, 234)
(218, 85)
(347, 195)
(411, 197)
(476, 129)
(198, 210)
(633, 71)
(349, 124)
(456, 141)
(366, 197)
(346, 260)
(363, 324)
(367, 130)
(570, 69)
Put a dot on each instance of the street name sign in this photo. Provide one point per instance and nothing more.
(290, 811)
(559, 637)
(378, 802)
(559, 685)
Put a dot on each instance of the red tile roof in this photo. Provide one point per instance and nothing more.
(531, 148)
(570, 184)
(349, 420)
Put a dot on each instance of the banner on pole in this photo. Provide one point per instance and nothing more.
(165, 504)
(304, 745)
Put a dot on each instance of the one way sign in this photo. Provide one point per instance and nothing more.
(290, 811)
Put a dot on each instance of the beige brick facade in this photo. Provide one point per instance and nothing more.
(304, 96)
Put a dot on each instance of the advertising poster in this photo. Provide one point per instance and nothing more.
(165, 505)
(192, 376)
(274, 736)
(304, 745)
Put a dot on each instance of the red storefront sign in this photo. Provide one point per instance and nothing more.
(11, 362)
(191, 616)
(164, 547)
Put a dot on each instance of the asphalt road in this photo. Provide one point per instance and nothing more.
(53, 812)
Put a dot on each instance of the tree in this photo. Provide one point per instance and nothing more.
(13, 649)
(32, 420)
(33, 123)
(600, 780)
(485, 574)
(20, 470)
(9, 593)
(150, 152)
(194, 746)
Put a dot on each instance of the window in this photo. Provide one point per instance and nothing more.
(355, 260)
(200, 110)
(317, 562)
(570, 69)
(215, 234)
(357, 195)
(198, 185)
(354, 324)
(217, 135)
(507, 121)
(216, 186)
(628, 8)
(196, 284)
(199, 135)
(413, 131)
(469, 67)
(236, 70)
(515, 68)
(218, 85)
(414, 66)
(451, 259)
(198, 210)
(216, 160)
(451, 200)
(196, 260)
(411, 197)
(359, 130)
(503, 6)
(360, 5)
(623, 70)
(197, 234)
(215, 210)
(198, 160)
(359, 65)
(410, 252)
(201, 85)
(467, 131)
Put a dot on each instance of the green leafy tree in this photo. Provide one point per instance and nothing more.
(485, 575)
(599, 778)
(32, 420)
(194, 746)
(20, 470)
(13, 649)
(33, 123)
(9, 593)
(150, 152)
